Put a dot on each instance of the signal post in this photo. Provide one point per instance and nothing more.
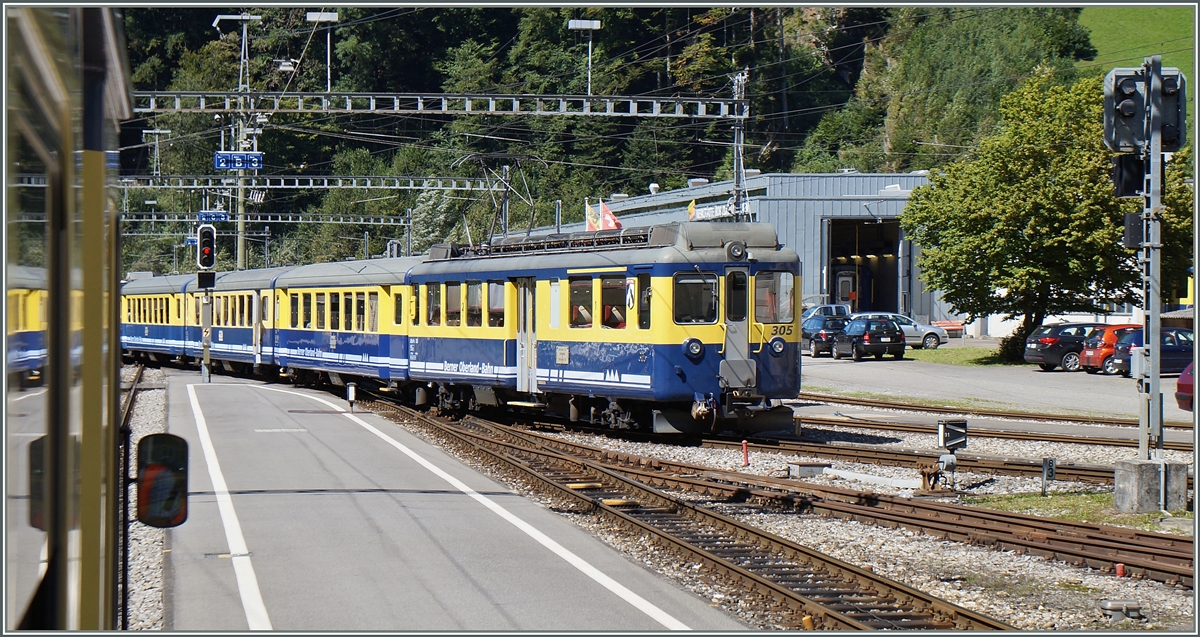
(1145, 115)
(206, 260)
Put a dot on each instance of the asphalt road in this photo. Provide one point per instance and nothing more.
(303, 518)
(1024, 387)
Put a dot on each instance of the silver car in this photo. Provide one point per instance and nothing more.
(916, 335)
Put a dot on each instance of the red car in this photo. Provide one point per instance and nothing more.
(1183, 389)
(1099, 346)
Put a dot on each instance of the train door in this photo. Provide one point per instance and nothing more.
(737, 369)
(256, 323)
(846, 287)
(526, 336)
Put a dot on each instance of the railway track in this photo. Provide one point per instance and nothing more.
(842, 420)
(803, 587)
(131, 390)
(992, 413)
(1155, 556)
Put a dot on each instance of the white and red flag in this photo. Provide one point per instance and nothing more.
(601, 218)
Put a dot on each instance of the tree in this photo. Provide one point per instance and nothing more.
(1029, 227)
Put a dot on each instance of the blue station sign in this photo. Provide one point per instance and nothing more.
(209, 216)
(224, 160)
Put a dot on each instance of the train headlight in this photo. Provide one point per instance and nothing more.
(693, 349)
(736, 250)
(777, 346)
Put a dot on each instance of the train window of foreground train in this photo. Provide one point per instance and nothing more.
(434, 291)
(612, 301)
(347, 311)
(266, 308)
(373, 312)
(696, 297)
(474, 304)
(335, 310)
(453, 304)
(495, 304)
(320, 310)
(737, 292)
(416, 299)
(581, 301)
(295, 310)
(306, 309)
(360, 312)
(643, 287)
(773, 301)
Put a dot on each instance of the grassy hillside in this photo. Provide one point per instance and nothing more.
(1124, 36)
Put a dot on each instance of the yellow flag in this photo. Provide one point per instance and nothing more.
(692, 210)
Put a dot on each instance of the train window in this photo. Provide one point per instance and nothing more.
(360, 312)
(643, 291)
(373, 312)
(320, 310)
(335, 310)
(398, 310)
(266, 308)
(612, 301)
(242, 307)
(696, 297)
(416, 297)
(295, 310)
(453, 303)
(737, 293)
(474, 303)
(555, 303)
(581, 301)
(434, 290)
(495, 304)
(306, 309)
(773, 301)
(178, 308)
(347, 311)
(196, 302)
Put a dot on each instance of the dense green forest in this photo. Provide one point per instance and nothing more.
(873, 89)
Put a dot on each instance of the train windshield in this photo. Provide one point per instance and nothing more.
(773, 297)
(696, 298)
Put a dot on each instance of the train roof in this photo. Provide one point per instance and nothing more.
(260, 279)
(24, 277)
(170, 284)
(358, 272)
(687, 242)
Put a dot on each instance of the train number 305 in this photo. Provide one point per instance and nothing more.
(781, 330)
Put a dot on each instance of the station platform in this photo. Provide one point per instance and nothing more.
(305, 517)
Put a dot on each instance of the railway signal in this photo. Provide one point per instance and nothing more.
(206, 254)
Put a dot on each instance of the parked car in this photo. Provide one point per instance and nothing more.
(1057, 345)
(1184, 387)
(916, 335)
(864, 336)
(1176, 350)
(1098, 348)
(826, 310)
(818, 332)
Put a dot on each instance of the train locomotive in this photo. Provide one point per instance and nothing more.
(676, 328)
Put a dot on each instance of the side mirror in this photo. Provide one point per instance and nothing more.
(162, 480)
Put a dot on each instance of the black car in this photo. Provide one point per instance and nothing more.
(876, 336)
(1176, 353)
(817, 333)
(1058, 345)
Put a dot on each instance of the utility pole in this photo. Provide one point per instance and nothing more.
(243, 87)
(504, 204)
(739, 140)
(591, 26)
(325, 16)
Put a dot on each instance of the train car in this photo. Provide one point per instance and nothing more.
(344, 318)
(677, 328)
(25, 345)
(67, 89)
(152, 316)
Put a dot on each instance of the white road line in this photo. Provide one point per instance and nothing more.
(571, 558)
(252, 601)
(36, 393)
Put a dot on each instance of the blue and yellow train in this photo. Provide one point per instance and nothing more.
(682, 327)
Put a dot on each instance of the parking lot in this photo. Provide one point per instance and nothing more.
(1023, 387)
